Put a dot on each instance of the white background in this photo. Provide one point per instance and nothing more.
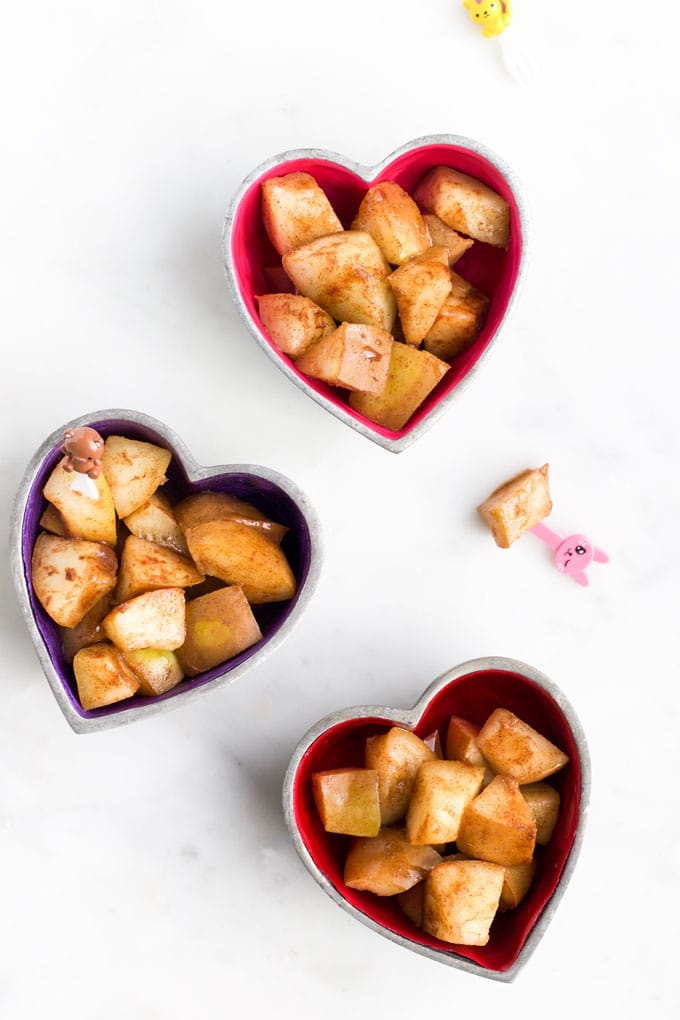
(147, 872)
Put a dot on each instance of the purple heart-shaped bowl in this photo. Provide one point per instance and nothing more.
(248, 255)
(472, 690)
(271, 492)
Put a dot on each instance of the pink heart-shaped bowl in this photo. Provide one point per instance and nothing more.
(247, 251)
(272, 492)
(472, 690)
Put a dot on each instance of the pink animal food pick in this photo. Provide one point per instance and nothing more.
(572, 554)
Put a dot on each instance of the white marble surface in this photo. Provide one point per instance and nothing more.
(147, 872)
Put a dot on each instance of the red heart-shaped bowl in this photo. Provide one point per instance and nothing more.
(270, 491)
(247, 251)
(472, 690)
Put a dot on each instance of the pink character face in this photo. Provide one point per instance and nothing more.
(574, 554)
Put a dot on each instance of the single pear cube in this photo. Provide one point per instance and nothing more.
(459, 320)
(465, 204)
(387, 864)
(440, 234)
(412, 376)
(93, 520)
(88, 631)
(515, 749)
(441, 792)
(219, 626)
(237, 553)
(296, 210)
(103, 677)
(421, 286)
(411, 903)
(158, 670)
(461, 900)
(153, 620)
(69, 576)
(155, 521)
(347, 801)
(347, 275)
(517, 506)
(396, 756)
(145, 566)
(53, 522)
(393, 220)
(497, 825)
(293, 322)
(516, 884)
(134, 470)
(544, 804)
(354, 357)
(202, 507)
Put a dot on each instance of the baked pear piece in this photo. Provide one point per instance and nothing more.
(69, 576)
(219, 625)
(497, 825)
(93, 520)
(145, 566)
(394, 221)
(202, 507)
(347, 801)
(102, 676)
(237, 553)
(455, 244)
(412, 376)
(421, 285)
(134, 470)
(153, 620)
(461, 900)
(387, 864)
(465, 204)
(441, 792)
(346, 274)
(516, 749)
(293, 322)
(459, 320)
(396, 756)
(296, 210)
(155, 521)
(158, 671)
(516, 506)
(353, 356)
(544, 804)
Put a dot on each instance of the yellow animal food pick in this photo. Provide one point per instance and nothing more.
(492, 15)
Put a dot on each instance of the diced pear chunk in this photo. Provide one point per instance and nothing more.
(152, 620)
(346, 274)
(53, 522)
(296, 210)
(516, 883)
(347, 801)
(516, 506)
(240, 554)
(293, 322)
(412, 376)
(353, 356)
(155, 521)
(158, 670)
(459, 320)
(69, 576)
(515, 749)
(387, 864)
(202, 507)
(461, 900)
(421, 285)
(441, 792)
(145, 566)
(497, 825)
(455, 244)
(411, 902)
(394, 221)
(102, 676)
(466, 204)
(134, 470)
(396, 756)
(219, 626)
(544, 804)
(93, 520)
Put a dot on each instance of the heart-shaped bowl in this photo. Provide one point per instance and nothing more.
(270, 491)
(247, 251)
(472, 690)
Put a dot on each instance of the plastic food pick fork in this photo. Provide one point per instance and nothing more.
(572, 554)
(493, 17)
